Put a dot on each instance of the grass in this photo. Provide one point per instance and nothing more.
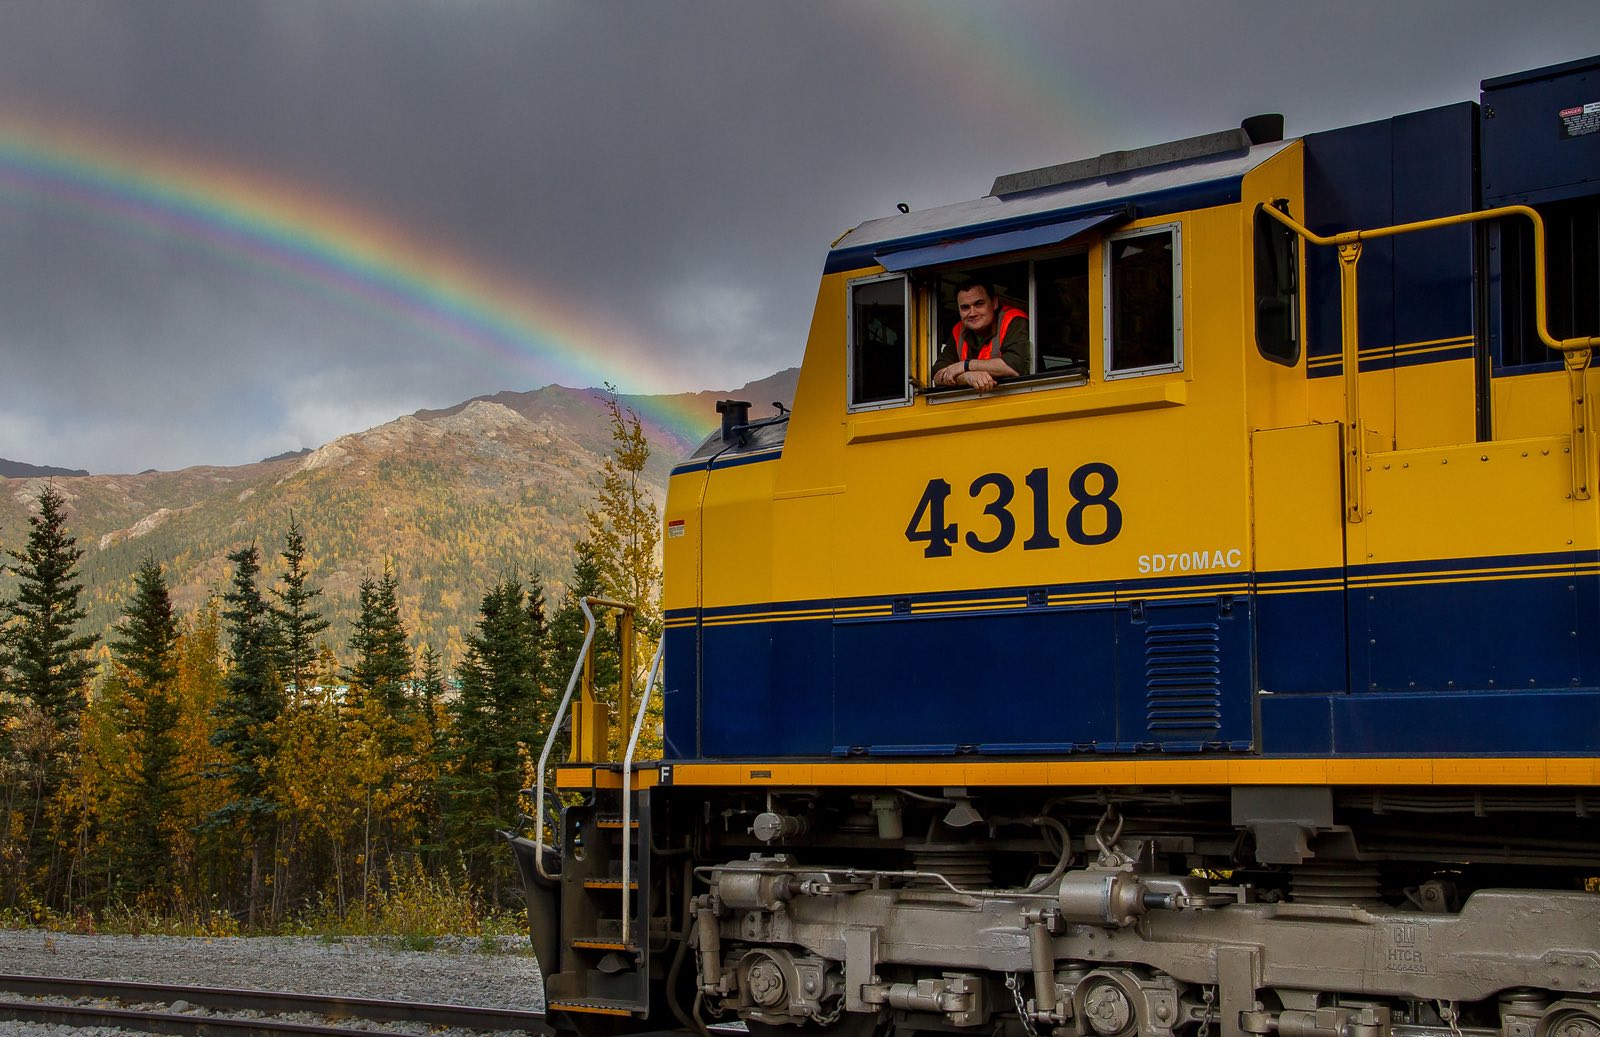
(416, 911)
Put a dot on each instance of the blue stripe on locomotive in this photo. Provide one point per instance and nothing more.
(1440, 665)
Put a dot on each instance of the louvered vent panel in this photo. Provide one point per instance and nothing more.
(1183, 679)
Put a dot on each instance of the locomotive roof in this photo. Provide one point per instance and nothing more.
(1151, 191)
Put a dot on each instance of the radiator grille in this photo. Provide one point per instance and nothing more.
(1183, 679)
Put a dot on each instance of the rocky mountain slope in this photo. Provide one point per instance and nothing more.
(453, 499)
(23, 470)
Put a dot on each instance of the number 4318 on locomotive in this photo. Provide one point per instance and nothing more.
(1234, 669)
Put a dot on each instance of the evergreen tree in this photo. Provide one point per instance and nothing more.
(378, 641)
(382, 726)
(47, 670)
(251, 702)
(145, 650)
(47, 658)
(430, 681)
(147, 638)
(298, 620)
(495, 717)
(429, 687)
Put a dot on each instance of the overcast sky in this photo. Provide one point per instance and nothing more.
(230, 229)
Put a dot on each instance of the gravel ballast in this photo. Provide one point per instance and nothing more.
(457, 971)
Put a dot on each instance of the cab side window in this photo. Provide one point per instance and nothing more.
(1144, 302)
(1277, 290)
(879, 342)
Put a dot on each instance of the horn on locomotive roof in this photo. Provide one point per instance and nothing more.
(735, 418)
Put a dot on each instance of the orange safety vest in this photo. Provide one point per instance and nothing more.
(1007, 315)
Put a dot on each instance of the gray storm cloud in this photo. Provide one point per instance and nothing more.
(679, 167)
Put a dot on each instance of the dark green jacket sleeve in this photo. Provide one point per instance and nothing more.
(1017, 349)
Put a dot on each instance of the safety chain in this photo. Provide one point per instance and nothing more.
(1014, 984)
(712, 1005)
(1451, 1014)
(833, 1016)
(1209, 996)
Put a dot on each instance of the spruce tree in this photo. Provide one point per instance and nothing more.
(47, 668)
(497, 708)
(378, 642)
(145, 648)
(146, 640)
(252, 700)
(48, 660)
(382, 727)
(298, 620)
(429, 687)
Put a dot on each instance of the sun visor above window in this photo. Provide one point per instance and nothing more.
(1012, 239)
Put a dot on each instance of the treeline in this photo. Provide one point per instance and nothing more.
(233, 762)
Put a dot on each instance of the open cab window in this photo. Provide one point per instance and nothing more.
(880, 342)
(1053, 292)
(1144, 302)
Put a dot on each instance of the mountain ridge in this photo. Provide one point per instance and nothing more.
(22, 470)
(453, 499)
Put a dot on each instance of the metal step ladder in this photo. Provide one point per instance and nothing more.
(604, 946)
(605, 960)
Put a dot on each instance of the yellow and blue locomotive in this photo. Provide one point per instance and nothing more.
(1235, 670)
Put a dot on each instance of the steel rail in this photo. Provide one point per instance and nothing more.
(100, 1017)
(264, 1001)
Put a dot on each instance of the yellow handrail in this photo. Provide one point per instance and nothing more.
(1576, 352)
(591, 726)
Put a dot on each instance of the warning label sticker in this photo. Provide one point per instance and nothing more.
(1580, 120)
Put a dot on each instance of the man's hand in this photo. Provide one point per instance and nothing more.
(956, 375)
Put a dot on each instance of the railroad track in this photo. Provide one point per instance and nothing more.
(263, 1002)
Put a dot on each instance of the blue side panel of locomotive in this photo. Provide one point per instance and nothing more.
(1173, 676)
(1416, 288)
(1301, 634)
(1044, 679)
(1434, 634)
(680, 693)
(1536, 149)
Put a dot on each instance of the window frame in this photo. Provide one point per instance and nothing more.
(1259, 220)
(1107, 319)
(907, 301)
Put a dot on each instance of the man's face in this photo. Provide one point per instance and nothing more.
(976, 309)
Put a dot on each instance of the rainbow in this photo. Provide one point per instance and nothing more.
(994, 57)
(294, 232)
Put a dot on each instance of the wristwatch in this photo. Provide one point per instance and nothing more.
(966, 365)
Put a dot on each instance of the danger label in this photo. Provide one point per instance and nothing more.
(1580, 120)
